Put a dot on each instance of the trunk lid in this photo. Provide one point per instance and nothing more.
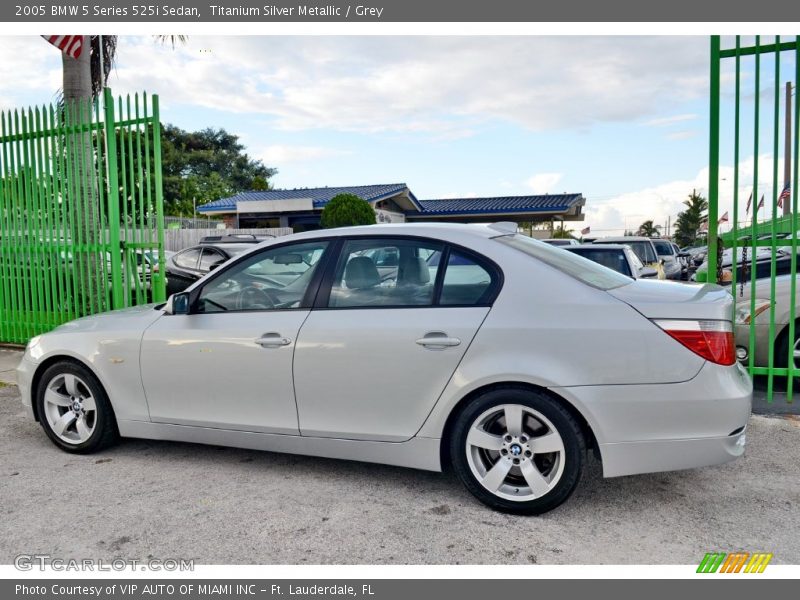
(673, 300)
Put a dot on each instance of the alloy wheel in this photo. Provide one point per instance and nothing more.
(515, 452)
(70, 408)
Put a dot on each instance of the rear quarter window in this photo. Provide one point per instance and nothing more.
(569, 263)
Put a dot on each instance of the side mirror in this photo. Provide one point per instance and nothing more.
(647, 273)
(215, 265)
(178, 304)
(683, 255)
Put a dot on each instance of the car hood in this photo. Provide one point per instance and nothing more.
(133, 319)
(673, 300)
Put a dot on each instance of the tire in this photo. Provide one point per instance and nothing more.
(81, 427)
(782, 346)
(501, 466)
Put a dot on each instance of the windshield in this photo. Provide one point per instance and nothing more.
(608, 257)
(642, 248)
(663, 248)
(567, 262)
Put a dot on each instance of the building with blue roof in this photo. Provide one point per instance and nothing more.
(393, 202)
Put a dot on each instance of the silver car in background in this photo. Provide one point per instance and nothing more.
(502, 358)
(759, 312)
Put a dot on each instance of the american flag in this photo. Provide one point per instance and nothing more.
(760, 203)
(784, 194)
(585, 230)
(723, 218)
(749, 202)
(71, 45)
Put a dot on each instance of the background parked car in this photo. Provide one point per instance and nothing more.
(619, 257)
(642, 246)
(667, 253)
(763, 266)
(189, 265)
(744, 316)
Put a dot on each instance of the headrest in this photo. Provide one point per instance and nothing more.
(360, 273)
(414, 271)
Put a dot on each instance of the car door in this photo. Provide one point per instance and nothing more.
(377, 351)
(228, 364)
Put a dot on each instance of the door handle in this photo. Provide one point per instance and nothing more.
(273, 340)
(438, 340)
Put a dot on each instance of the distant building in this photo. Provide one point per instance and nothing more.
(393, 203)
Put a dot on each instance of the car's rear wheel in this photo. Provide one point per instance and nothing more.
(782, 347)
(517, 451)
(74, 409)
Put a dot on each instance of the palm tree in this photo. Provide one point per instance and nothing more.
(561, 232)
(85, 77)
(83, 80)
(648, 229)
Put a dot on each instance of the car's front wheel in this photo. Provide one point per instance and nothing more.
(517, 451)
(74, 409)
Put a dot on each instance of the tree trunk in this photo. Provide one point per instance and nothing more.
(83, 202)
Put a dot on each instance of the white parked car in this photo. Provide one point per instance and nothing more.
(481, 350)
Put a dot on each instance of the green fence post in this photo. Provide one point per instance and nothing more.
(160, 287)
(110, 131)
(713, 160)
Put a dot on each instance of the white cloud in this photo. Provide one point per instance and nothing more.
(682, 135)
(667, 121)
(277, 155)
(440, 86)
(544, 183)
(627, 211)
(31, 65)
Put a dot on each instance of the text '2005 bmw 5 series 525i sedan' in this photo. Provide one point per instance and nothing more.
(428, 346)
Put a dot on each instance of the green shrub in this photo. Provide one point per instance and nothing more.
(347, 209)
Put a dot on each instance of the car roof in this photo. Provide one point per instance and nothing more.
(225, 246)
(598, 246)
(622, 239)
(484, 231)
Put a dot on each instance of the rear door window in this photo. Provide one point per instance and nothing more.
(188, 259)
(466, 282)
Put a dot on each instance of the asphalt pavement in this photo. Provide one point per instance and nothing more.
(227, 506)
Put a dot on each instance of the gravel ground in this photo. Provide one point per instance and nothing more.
(229, 506)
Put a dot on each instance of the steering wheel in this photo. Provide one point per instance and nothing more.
(255, 297)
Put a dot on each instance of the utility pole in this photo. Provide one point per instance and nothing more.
(787, 151)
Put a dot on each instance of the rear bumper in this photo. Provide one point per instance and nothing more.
(651, 428)
(629, 458)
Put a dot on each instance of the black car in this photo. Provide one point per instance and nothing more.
(189, 265)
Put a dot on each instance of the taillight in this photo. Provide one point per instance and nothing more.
(713, 340)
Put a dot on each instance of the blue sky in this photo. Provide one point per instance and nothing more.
(622, 120)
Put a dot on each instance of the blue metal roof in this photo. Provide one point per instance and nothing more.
(320, 196)
(502, 204)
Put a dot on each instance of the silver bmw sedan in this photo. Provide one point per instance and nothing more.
(428, 346)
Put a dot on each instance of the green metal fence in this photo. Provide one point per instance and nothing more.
(81, 211)
(752, 115)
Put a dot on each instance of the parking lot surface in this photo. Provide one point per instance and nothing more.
(226, 506)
